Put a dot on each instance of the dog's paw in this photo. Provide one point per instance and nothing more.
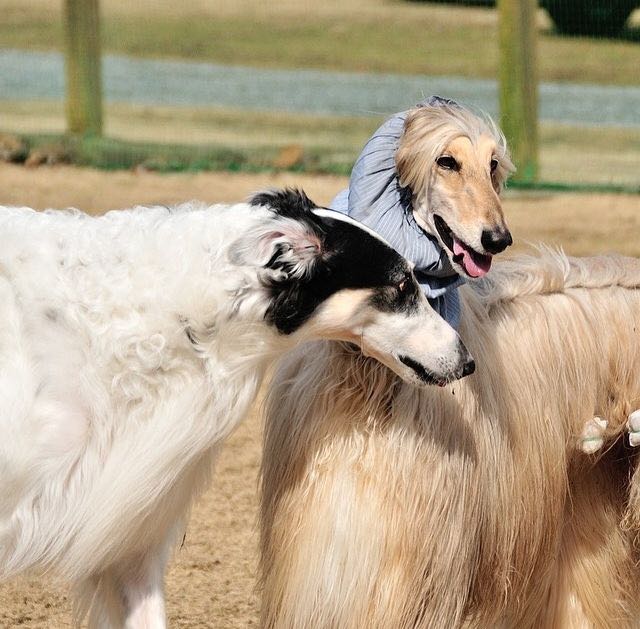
(592, 438)
(633, 426)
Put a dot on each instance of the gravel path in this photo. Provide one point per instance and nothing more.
(27, 75)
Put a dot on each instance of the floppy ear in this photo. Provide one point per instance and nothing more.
(285, 249)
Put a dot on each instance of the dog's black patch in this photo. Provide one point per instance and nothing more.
(191, 335)
(289, 202)
(439, 101)
(352, 258)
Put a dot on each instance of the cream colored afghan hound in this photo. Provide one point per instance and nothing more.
(481, 504)
(473, 505)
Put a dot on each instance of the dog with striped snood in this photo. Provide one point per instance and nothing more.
(497, 501)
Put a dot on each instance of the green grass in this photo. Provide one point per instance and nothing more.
(379, 36)
(200, 125)
(113, 154)
(116, 154)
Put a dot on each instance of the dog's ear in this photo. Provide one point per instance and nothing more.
(289, 246)
(290, 202)
(291, 252)
(284, 249)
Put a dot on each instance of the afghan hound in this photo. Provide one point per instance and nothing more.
(455, 163)
(473, 505)
(478, 505)
(132, 344)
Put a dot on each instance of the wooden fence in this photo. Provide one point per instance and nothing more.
(519, 83)
(83, 67)
(517, 76)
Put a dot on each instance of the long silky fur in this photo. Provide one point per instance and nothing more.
(130, 346)
(469, 506)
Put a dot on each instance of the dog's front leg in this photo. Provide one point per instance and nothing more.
(142, 591)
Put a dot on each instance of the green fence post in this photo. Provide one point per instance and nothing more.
(83, 71)
(519, 83)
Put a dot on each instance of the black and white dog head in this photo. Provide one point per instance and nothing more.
(326, 276)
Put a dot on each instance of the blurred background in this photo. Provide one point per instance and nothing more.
(285, 84)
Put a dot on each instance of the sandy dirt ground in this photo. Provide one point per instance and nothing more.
(212, 581)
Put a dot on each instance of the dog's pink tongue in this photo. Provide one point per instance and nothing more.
(475, 265)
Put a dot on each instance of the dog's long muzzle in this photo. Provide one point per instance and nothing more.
(464, 366)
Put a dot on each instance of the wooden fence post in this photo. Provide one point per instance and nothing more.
(83, 69)
(519, 83)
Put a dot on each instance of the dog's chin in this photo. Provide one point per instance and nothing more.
(417, 381)
(465, 260)
(418, 375)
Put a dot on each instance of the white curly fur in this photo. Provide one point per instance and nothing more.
(98, 376)
(131, 345)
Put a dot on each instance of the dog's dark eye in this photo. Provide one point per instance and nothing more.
(447, 162)
(493, 165)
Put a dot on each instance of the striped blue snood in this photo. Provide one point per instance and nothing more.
(375, 198)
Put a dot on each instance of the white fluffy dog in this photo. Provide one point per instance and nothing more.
(132, 344)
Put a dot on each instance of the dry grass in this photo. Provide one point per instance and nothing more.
(185, 125)
(389, 10)
(212, 581)
(375, 35)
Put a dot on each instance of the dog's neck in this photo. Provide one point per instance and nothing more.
(236, 360)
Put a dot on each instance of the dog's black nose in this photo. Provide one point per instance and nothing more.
(495, 241)
(469, 368)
